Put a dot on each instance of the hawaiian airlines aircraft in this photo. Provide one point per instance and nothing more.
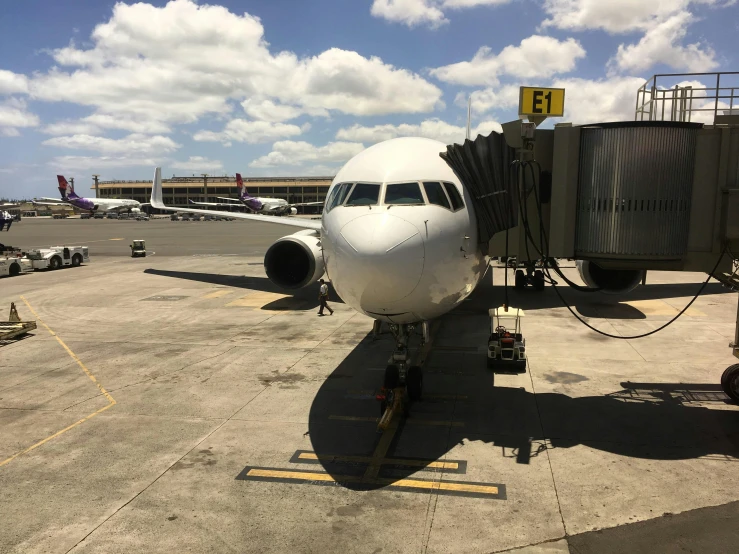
(257, 204)
(92, 204)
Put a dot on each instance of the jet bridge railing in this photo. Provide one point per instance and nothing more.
(695, 97)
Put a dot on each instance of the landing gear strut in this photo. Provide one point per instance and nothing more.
(403, 383)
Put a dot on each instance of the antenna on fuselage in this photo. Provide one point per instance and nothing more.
(469, 117)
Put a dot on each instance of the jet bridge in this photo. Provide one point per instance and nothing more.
(621, 198)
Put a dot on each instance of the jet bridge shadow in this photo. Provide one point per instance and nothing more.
(589, 304)
(306, 298)
(656, 421)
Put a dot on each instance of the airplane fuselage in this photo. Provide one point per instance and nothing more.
(401, 263)
(103, 204)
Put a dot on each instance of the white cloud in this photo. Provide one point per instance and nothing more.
(180, 62)
(662, 44)
(616, 16)
(536, 57)
(589, 101)
(423, 12)
(431, 128)
(12, 83)
(490, 99)
(13, 114)
(267, 110)
(198, 163)
(288, 152)
(134, 144)
(82, 163)
(251, 132)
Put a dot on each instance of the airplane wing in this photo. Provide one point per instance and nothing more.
(307, 204)
(10, 205)
(215, 203)
(54, 200)
(233, 200)
(156, 202)
(59, 203)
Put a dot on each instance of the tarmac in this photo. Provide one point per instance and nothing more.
(181, 402)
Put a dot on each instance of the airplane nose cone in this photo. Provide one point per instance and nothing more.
(381, 259)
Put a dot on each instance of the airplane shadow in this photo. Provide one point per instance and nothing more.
(305, 298)
(656, 421)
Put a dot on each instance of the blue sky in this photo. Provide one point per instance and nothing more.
(296, 87)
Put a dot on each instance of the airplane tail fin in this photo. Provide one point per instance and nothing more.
(64, 189)
(156, 190)
(240, 186)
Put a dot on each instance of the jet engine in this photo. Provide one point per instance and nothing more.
(295, 261)
(610, 281)
(293, 211)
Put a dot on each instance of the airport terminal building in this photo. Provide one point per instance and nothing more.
(179, 191)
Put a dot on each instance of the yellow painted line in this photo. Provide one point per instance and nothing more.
(256, 299)
(74, 356)
(218, 294)
(441, 486)
(285, 474)
(385, 461)
(407, 483)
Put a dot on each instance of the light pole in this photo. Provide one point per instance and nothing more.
(205, 185)
(95, 179)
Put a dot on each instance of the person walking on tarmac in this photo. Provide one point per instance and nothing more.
(323, 298)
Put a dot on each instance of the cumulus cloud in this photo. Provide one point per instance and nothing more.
(98, 123)
(267, 110)
(431, 128)
(177, 63)
(616, 16)
(251, 132)
(536, 57)
(13, 114)
(662, 44)
(293, 153)
(490, 99)
(83, 163)
(12, 83)
(601, 100)
(133, 144)
(423, 12)
(198, 163)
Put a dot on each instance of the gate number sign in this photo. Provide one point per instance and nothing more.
(541, 101)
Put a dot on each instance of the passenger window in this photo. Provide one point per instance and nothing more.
(364, 194)
(338, 195)
(403, 193)
(454, 196)
(435, 194)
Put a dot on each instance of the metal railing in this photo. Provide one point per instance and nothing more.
(685, 101)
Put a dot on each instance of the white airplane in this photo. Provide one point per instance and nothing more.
(398, 241)
(69, 197)
(257, 204)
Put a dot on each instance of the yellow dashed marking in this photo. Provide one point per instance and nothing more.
(381, 461)
(218, 294)
(256, 299)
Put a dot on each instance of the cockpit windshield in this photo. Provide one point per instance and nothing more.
(338, 195)
(403, 193)
(364, 194)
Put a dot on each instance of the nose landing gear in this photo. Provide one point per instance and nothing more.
(403, 383)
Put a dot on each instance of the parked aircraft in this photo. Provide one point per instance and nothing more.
(257, 204)
(69, 197)
(398, 240)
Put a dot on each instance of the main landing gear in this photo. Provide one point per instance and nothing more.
(402, 383)
(533, 277)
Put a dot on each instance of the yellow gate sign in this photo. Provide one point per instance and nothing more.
(538, 101)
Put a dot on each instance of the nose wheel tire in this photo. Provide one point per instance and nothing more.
(520, 279)
(392, 377)
(414, 383)
(730, 382)
(538, 280)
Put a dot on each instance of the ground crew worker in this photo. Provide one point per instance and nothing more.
(323, 298)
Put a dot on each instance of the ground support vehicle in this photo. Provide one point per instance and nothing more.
(99, 215)
(12, 263)
(138, 249)
(506, 345)
(56, 257)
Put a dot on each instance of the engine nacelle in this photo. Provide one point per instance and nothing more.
(610, 281)
(295, 261)
(293, 211)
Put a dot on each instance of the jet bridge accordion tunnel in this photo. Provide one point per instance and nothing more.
(621, 198)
